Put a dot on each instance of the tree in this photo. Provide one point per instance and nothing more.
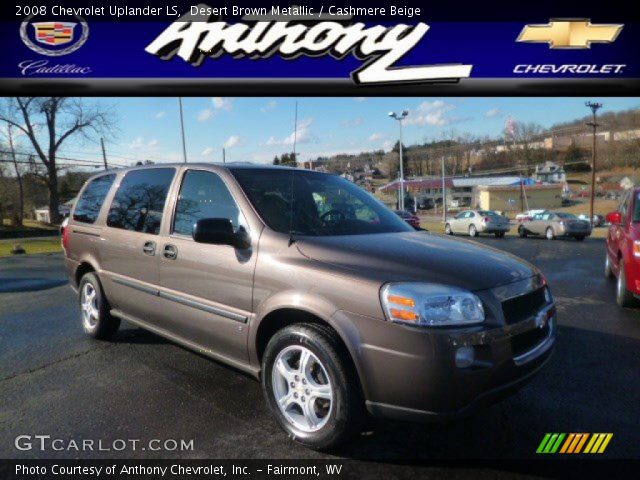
(276, 160)
(289, 159)
(10, 138)
(48, 122)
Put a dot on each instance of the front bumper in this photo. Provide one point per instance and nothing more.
(411, 374)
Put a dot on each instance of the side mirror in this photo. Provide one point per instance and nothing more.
(614, 218)
(219, 231)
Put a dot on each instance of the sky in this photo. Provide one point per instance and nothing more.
(255, 129)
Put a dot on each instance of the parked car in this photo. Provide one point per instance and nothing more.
(528, 215)
(622, 258)
(425, 203)
(409, 217)
(338, 313)
(598, 220)
(555, 224)
(475, 222)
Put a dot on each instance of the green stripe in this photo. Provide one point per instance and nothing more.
(543, 443)
(557, 445)
(547, 449)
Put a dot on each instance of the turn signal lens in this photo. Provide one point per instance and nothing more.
(636, 248)
(398, 300)
(404, 315)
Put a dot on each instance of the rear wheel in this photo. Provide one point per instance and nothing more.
(473, 231)
(550, 234)
(608, 272)
(447, 229)
(311, 387)
(94, 308)
(624, 297)
(522, 232)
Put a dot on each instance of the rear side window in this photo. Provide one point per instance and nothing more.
(139, 201)
(90, 202)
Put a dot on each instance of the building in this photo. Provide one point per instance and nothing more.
(549, 172)
(516, 198)
(42, 213)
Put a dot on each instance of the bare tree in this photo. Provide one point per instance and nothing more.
(50, 121)
(10, 138)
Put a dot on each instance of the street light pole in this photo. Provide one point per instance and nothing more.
(399, 118)
(594, 124)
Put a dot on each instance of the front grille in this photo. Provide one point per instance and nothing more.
(520, 308)
(521, 344)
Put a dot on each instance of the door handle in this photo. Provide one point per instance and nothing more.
(170, 252)
(149, 248)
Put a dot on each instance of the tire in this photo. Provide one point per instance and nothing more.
(624, 298)
(499, 234)
(579, 238)
(522, 232)
(549, 234)
(608, 273)
(97, 322)
(329, 421)
(473, 231)
(447, 229)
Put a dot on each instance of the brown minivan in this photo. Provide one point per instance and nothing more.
(307, 282)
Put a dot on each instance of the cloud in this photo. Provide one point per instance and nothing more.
(269, 106)
(207, 151)
(205, 115)
(494, 112)
(375, 137)
(160, 115)
(352, 123)
(435, 113)
(140, 142)
(301, 135)
(387, 145)
(220, 103)
(233, 141)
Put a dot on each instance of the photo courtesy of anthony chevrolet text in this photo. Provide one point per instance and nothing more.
(308, 239)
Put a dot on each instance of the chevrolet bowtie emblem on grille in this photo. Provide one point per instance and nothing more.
(579, 33)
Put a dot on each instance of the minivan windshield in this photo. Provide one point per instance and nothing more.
(322, 204)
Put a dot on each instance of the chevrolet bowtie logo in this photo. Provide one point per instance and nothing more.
(579, 33)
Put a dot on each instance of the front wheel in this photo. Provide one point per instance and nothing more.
(499, 234)
(473, 231)
(608, 272)
(311, 386)
(447, 229)
(97, 321)
(550, 234)
(624, 297)
(522, 232)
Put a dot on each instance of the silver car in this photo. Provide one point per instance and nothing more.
(555, 224)
(474, 222)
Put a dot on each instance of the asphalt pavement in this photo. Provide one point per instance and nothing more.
(56, 381)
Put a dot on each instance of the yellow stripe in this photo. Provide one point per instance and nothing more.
(584, 439)
(599, 440)
(606, 442)
(590, 444)
(567, 442)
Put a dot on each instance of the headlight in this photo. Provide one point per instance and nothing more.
(430, 305)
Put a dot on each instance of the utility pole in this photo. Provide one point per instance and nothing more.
(594, 124)
(104, 154)
(184, 143)
(444, 195)
(400, 118)
(224, 155)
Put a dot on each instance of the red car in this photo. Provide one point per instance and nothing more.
(623, 248)
(409, 217)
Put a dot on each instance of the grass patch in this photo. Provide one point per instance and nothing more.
(49, 245)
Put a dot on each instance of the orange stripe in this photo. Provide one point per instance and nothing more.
(567, 442)
(575, 442)
(584, 439)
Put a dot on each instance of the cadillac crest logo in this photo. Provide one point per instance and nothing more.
(45, 38)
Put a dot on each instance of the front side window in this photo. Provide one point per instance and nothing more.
(90, 202)
(204, 195)
(315, 204)
(139, 202)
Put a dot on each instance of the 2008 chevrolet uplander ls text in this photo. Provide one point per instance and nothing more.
(307, 282)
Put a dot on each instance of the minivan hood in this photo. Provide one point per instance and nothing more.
(418, 257)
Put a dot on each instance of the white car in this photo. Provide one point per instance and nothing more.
(474, 222)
